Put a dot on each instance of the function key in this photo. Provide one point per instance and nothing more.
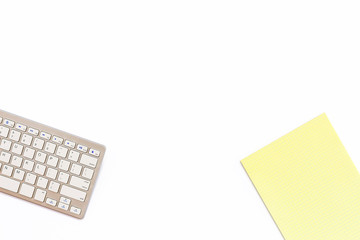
(57, 139)
(69, 144)
(9, 123)
(45, 135)
(94, 152)
(33, 131)
(82, 148)
(21, 127)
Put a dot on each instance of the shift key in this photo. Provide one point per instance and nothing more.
(73, 193)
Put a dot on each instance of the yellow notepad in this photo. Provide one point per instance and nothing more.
(309, 183)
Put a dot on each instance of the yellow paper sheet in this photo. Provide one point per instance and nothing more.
(309, 183)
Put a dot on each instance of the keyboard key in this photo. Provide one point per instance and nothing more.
(9, 184)
(29, 153)
(51, 202)
(45, 135)
(27, 190)
(40, 195)
(74, 155)
(94, 152)
(30, 178)
(63, 177)
(57, 139)
(14, 135)
(64, 165)
(82, 148)
(19, 174)
(69, 144)
(42, 182)
(50, 147)
(4, 131)
(73, 193)
(16, 161)
(63, 206)
(88, 160)
(20, 127)
(52, 161)
(5, 144)
(9, 123)
(88, 173)
(7, 170)
(54, 186)
(61, 151)
(75, 169)
(5, 157)
(33, 131)
(65, 200)
(75, 210)
(38, 143)
(26, 139)
(79, 183)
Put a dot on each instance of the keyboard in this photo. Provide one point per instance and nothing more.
(46, 166)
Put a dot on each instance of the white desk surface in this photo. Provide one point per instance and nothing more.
(179, 92)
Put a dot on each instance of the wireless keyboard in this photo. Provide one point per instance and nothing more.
(47, 166)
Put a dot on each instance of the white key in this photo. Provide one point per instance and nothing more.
(29, 153)
(42, 182)
(63, 206)
(82, 148)
(64, 165)
(19, 174)
(7, 170)
(69, 144)
(9, 123)
(4, 131)
(38, 143)
(57, 139)
(21, 127)
(75, 210)
(27, 190)
(63, 177)
(50, 147)
(40, 169)
(14, 135)
(75, 169)
(94, 152)
(61, 151)
(79, 183)
(40, 157)
(65, 200)
(28, 165)
(30, 178)
(9, 184)
(52, 161)
(26, 139)
(88, 160)
(45, 135)
(54, 186)
(51, 173)
(74, 155)
(73, 193)
(16, 161)
(5, 144)
(51, 202)
(33, 131)
(88, 173)
(40, 195)
(17, 148)
(5, 157)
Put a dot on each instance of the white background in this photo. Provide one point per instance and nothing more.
(179, 92)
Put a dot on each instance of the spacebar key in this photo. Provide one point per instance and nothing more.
(9, 184)
(73, 193)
